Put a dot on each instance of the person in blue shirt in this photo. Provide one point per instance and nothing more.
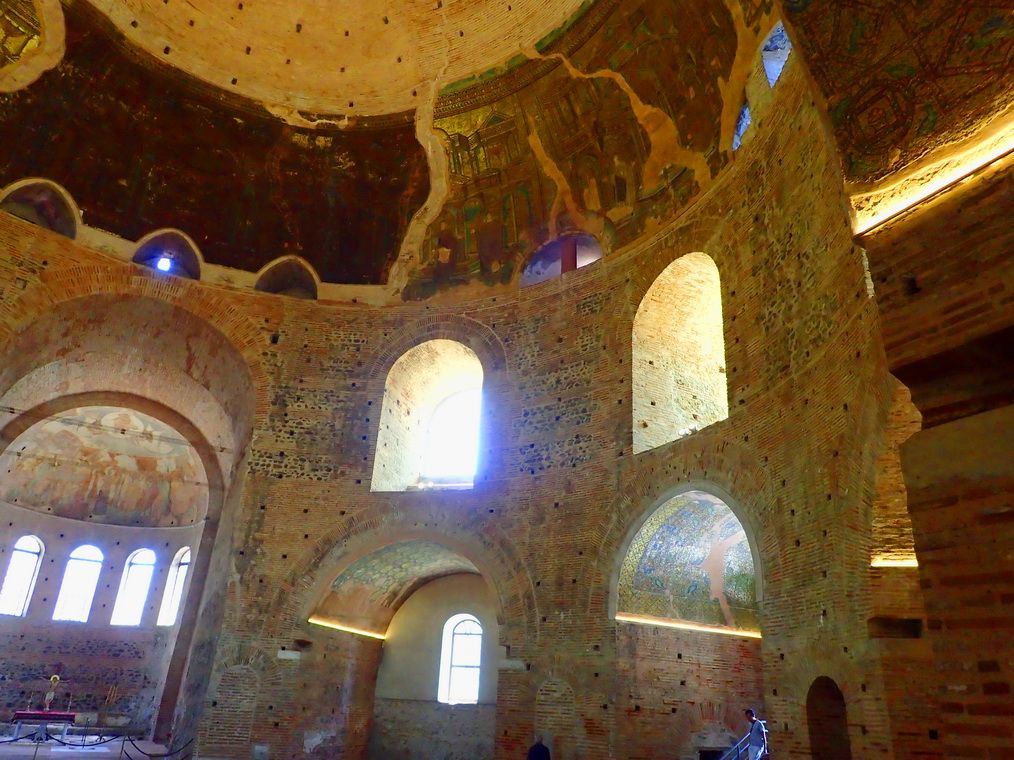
(757, 741)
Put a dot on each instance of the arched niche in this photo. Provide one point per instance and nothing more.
(560, 255)
(405, 593)
(689, 563)
(44, 203)
(169, 251)
(423, 380)
(678, 354)
(289, 276)
(165, 362)
(827, 720)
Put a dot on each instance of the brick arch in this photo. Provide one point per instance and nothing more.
(490, 551)
(715, 465)
(556, 718)
(470, 332)
(647, 259)
(489, 350)
(123, 282)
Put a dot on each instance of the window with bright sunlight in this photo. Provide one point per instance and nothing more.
(79, 582)
(174, 588)
(452, 441)
(19, 581)
(134, 586)
(460, 657)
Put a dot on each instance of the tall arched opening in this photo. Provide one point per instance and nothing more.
(685, 595)
(827, 718)
(430, 420)
(428, 634)
(123, 422)
(678, 354)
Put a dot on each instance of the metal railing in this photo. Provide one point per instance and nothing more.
(741, 750)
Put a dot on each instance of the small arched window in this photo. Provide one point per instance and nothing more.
(78, 587)
(174, 588)
(460, 658)
(19, 581)
(134, 587)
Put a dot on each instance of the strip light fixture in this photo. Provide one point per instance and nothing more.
(626, 617)
(336, 626)
(894, 562)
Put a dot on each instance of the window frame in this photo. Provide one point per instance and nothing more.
(76, 557)
(27, 588)
(447, 665)
(175, 588)
(124, 605)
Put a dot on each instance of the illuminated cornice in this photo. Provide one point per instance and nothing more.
(335, 625)
(626, 617)
(894, 562)
(915, 187)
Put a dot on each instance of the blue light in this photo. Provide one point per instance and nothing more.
(164, 264)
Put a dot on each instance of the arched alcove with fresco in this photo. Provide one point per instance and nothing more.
(686, 599)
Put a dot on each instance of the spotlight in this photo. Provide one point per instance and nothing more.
(164, 264)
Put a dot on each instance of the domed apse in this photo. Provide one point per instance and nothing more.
(678, 354)
(42, 203)
(430, 421)
(564, 254)
(169, 252)
(690, 566)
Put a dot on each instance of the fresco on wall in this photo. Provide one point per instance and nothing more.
(899, 77)
(691, 561)
(569, 151)
(388, 575)
(106, 465)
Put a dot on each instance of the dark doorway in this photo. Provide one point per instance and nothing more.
(710, 754)
(826, 714)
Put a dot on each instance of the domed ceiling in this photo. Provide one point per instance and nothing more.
(336, 56)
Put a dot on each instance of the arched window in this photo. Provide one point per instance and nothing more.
(78, 587)
(430, 422)
(134, 586)
(678, 356)
(42, 203)
(174, 587)
(19, 580)
(460, 657)
(564, 254)
(452, 441)
(171, 252)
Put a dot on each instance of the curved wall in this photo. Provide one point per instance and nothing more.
(805, 376)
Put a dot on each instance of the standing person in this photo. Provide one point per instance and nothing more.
(538, 751)
(757, 741)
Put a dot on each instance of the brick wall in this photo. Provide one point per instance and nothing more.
(960, 485)
(561, 486)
